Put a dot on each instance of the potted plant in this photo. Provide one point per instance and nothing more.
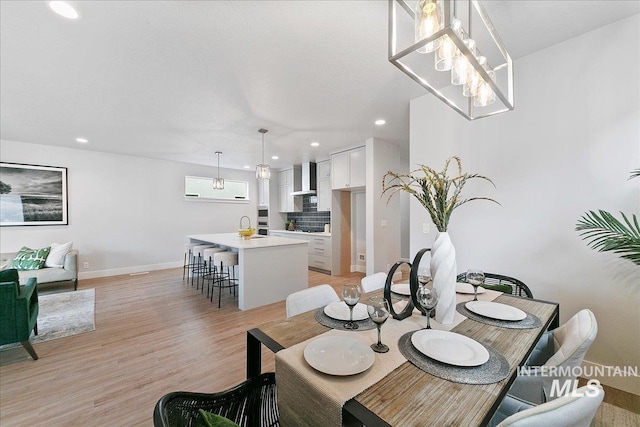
(440, 195)
(606, 233)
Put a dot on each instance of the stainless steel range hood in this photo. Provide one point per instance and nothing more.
(308, 180)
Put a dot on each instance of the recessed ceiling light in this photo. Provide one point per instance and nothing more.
(247, 166)
(315, 144)
(380, 122)
(82, 140)
(275, 157)
(63, 9)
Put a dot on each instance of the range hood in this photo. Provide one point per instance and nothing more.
(308, 180)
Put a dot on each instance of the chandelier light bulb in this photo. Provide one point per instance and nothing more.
(428, 22)
(461, 66)
(448, 50)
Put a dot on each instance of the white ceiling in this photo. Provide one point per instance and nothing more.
(181, 80)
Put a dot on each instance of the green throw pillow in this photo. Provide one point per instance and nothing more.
(30, 259)
(208, 419)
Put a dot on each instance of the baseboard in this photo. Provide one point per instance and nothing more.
(359, 269)
(127, 270)
(629, 384)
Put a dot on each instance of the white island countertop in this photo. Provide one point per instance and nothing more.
(234, 240)
(303, 233)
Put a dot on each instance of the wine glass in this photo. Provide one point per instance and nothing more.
(378, 309)
(351, 295)
(428, 298)
(424, 276)
(475, 278)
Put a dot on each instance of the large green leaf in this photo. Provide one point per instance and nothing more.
(605, 233)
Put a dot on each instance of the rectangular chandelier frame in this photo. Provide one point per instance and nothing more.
(464, 106)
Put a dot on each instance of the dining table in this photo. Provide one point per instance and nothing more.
(394, 391)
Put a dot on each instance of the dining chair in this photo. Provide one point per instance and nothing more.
(373, 282)
(309, 299)
(505, 284)
(251, 403)
(562, 349)
(572, 410)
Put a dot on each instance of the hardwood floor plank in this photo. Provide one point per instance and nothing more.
(154, 334)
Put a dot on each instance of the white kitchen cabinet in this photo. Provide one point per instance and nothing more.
(290, 180)
(263, 193)
(323, 183)
(319, 248)
(320, 252)
(348, 169)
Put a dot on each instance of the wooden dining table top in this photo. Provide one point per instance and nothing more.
(409, 396)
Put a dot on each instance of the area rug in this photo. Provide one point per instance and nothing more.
(63, 314)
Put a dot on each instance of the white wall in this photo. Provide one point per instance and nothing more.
(358, 231)
(126, 214)
(383, 241)
(567, 148)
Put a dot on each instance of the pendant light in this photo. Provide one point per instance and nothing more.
(218, 183)
(263, 171)
(458, 37)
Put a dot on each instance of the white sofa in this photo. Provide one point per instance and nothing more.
(67, 273)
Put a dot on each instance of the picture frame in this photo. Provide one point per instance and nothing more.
(33, 195)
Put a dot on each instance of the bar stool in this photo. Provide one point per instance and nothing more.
(200, 265)
(212, 270)
(189, 260)
(224, 260)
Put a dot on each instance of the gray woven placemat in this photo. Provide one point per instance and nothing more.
(528, 322)
(494, 370)
(329, 322)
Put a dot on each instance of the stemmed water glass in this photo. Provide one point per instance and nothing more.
(378, 309)
(428, 298)
(351, 295)
(424, 276)
(475, 278)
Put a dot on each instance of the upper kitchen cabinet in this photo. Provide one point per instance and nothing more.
(323, 181)
(348, 169)
(290, 180)
(263, 193)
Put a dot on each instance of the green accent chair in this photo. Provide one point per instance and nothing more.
(18, 310)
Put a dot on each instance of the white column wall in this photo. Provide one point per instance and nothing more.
(567, 148)
(126, 214)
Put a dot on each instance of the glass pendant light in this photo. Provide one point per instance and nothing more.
(263, 171)
(447, 50)
(470, 87)
(485, 95)
(218, 183)
(428, 21)
(461, 66)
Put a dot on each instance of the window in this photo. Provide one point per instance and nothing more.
(200, 188)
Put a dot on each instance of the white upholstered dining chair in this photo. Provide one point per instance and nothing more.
(564, 348)
(573, 410)
(373, 282)
(309, 299)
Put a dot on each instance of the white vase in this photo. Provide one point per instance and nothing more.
(443, 273)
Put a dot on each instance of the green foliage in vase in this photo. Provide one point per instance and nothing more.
(436, 191)
(605, 233)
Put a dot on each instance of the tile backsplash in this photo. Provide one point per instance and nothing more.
(309, 219)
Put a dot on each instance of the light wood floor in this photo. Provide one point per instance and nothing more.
(154, 334)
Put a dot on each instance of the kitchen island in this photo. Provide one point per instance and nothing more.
(269, 268)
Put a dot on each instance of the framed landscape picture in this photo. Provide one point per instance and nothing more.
(32, 195)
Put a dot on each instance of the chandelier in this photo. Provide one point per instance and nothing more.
(451, 48)
(218, 183)
(263, 171)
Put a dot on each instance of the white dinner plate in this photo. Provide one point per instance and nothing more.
(340, 311)
(401, 289)
(466, 288)
(495, 310)
(449, 347)
(337, 355)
